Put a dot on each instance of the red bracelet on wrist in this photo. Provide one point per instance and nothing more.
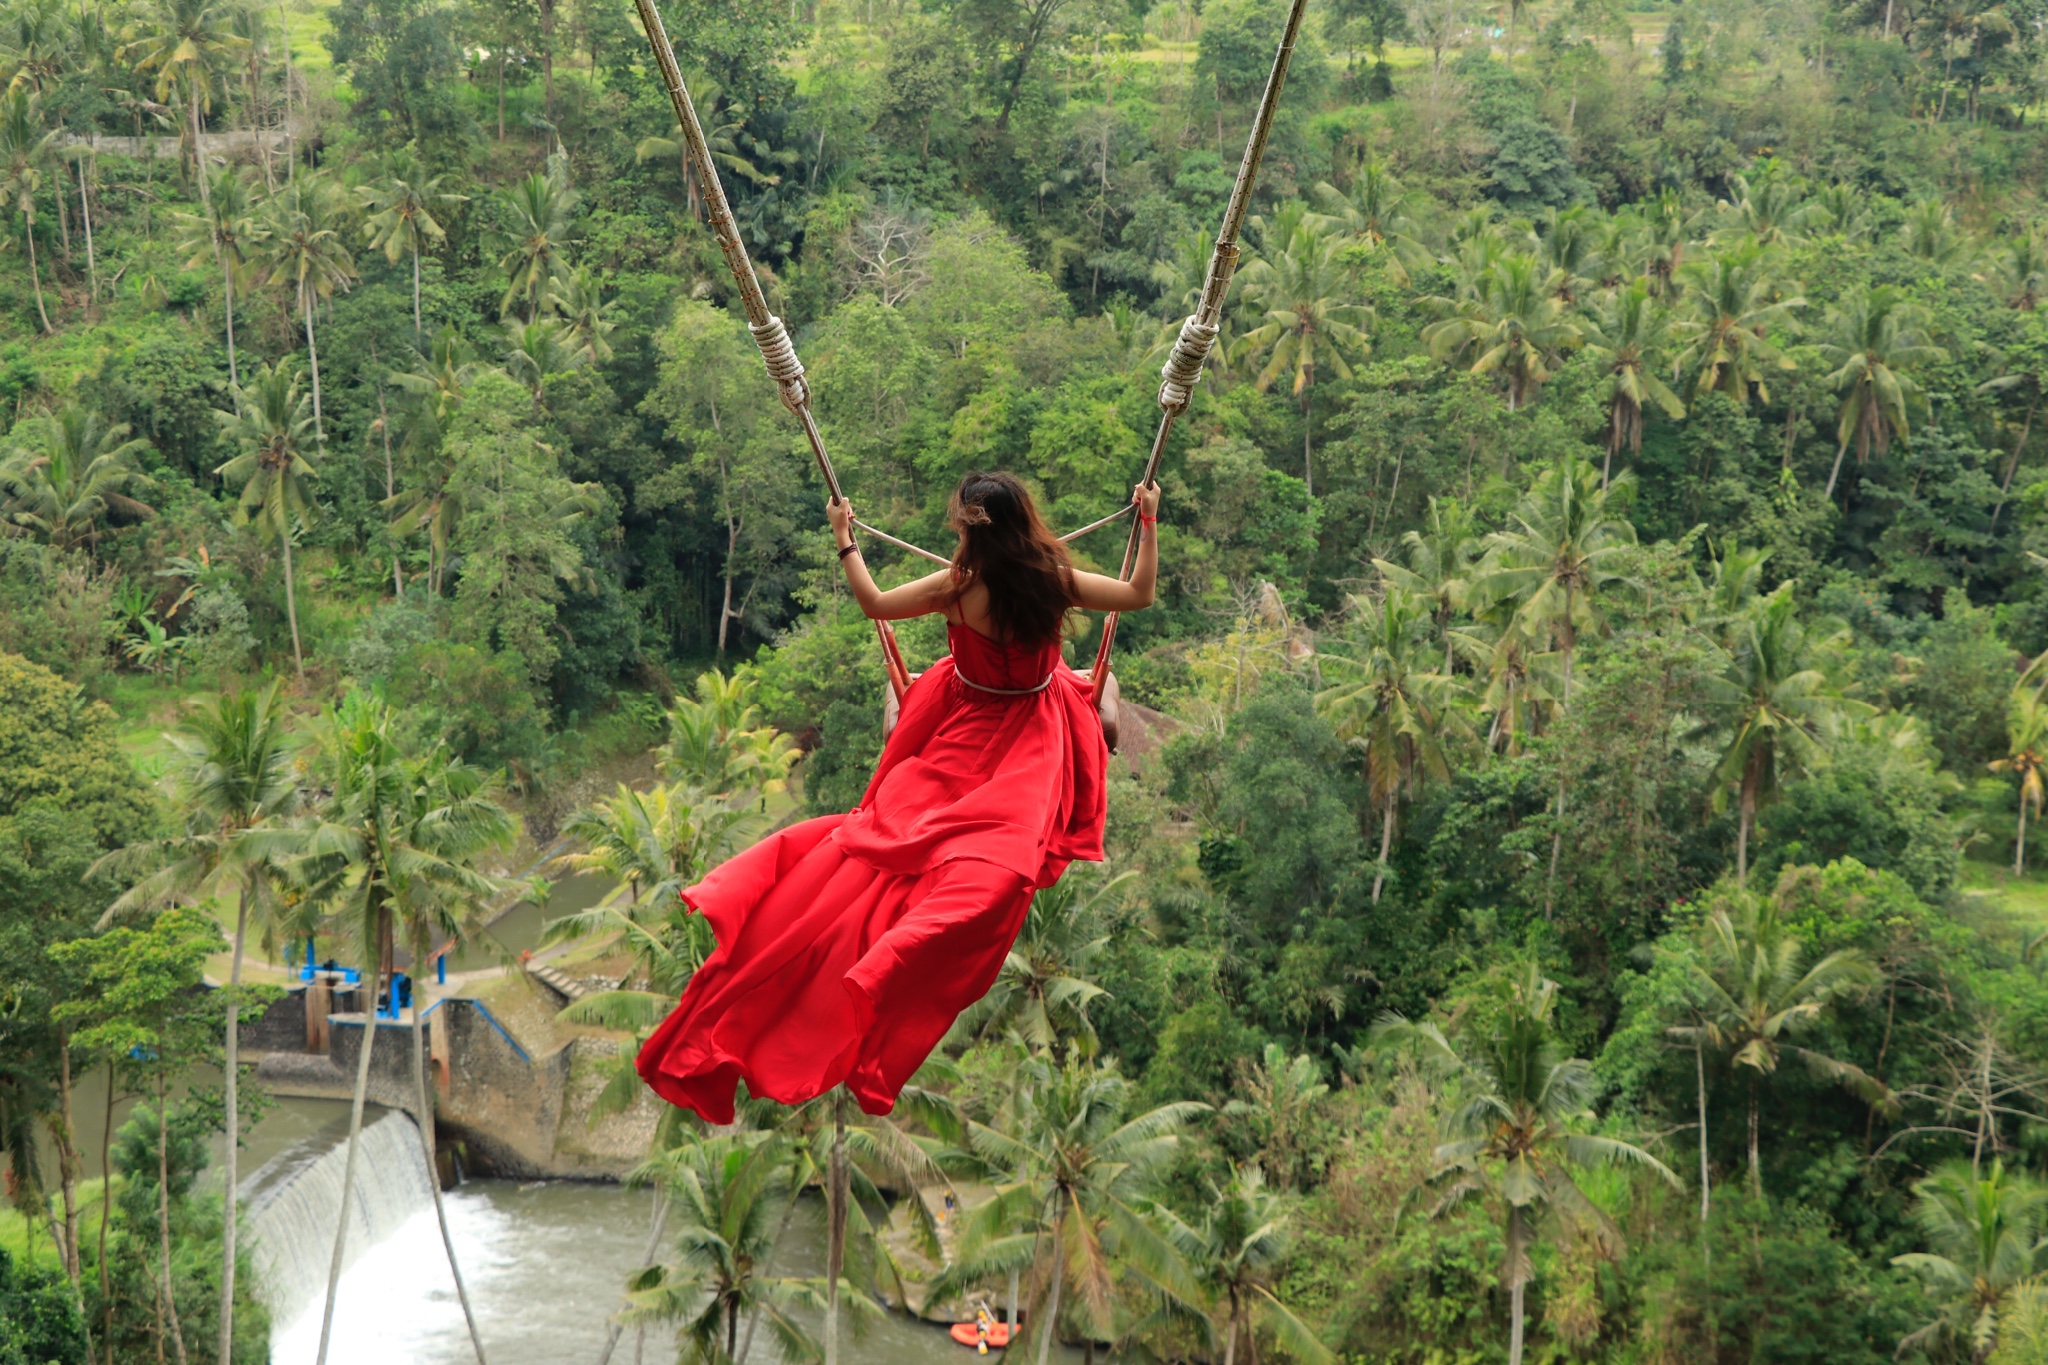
(1152, 520)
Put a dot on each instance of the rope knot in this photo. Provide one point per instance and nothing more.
(1183, 368)
(779, 353)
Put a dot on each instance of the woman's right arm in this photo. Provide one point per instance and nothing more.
(919, 597)
(1100, 592)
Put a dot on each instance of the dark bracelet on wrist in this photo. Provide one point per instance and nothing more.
(848, 550)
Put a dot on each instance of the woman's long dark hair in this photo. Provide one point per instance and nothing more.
(1007, 548)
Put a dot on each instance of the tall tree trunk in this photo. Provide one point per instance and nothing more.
(1745, 818)
(766, 1270)
(2012, 466)
(1516, 1303)
(313, 361)
(390, 488)
(1557, 836)
(34, 275)
(227, 279)
(63, 1136)
(1308, 471)
(92, 269)
(835, 1233)
(231, 1044)
(106, 1207)
(547, 56)
(291, 146)
(1756, 1172)
(163, 1212)
(656, 1225)
(2019, 845)
(1699, 1061)
(1010, 1315)
(291, 603)
(418, 329)
(198, 153)
(1379, 872)
(348, 1166)
(1049, 1327)
(426, 1116)
(1836, 472)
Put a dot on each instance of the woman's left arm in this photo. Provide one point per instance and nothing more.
(918, 597)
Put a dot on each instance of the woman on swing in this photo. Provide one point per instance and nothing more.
(847, 944)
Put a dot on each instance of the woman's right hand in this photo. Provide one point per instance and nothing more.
(840, 511)
(1147, 498)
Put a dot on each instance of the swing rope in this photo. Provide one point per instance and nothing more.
(1180, 374)
(1183, 368)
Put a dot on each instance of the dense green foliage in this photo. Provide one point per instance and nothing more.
(1599, 578)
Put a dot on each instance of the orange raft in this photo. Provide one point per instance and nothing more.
(968, 1335)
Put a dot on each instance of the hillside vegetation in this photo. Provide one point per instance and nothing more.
(1579, 907)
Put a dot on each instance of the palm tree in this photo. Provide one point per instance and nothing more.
(1838, 210)
(659, 841)
(1296, 291)
(537, 349)
(1930, 232)
(536, 214)
(36, 47)
(1987, 1238)
(435, 893)
(1438, 568)
(722, 134)
(1377, 212)
(2018, 271)
(1281, 1095)
(576, 298)
(851, 1153)
(1627, 334)
(219, 232)
(1775, 708)
(273, 471)
(233, 781)
(1237, 1253)
(1523, 681)
(1512, 323)
(1765, 210)
(299, 246)
(1073, 1178)
(1875, 340)
(1754, 992)
(64, 473)
(1389, 704)
(1510, 1136)
(2026, 728)
(719, 741)
(720, 1188)
(437, 388)
(402, 205)
(1566, 546)
(185, 42)
(1731, 307)
(392, 844)
(25, 147)
(1042, 995)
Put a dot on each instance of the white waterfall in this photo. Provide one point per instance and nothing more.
(291, 1204)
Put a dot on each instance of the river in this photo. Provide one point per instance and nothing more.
(544, 1265)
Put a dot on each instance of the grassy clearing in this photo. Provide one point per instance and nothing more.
(2020, 901)
(31, 1245)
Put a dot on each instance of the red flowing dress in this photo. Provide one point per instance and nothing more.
(848, 944)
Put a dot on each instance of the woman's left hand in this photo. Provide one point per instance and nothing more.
(840, 511)
(1147, 498)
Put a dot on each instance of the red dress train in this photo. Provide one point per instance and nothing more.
(848, 944)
